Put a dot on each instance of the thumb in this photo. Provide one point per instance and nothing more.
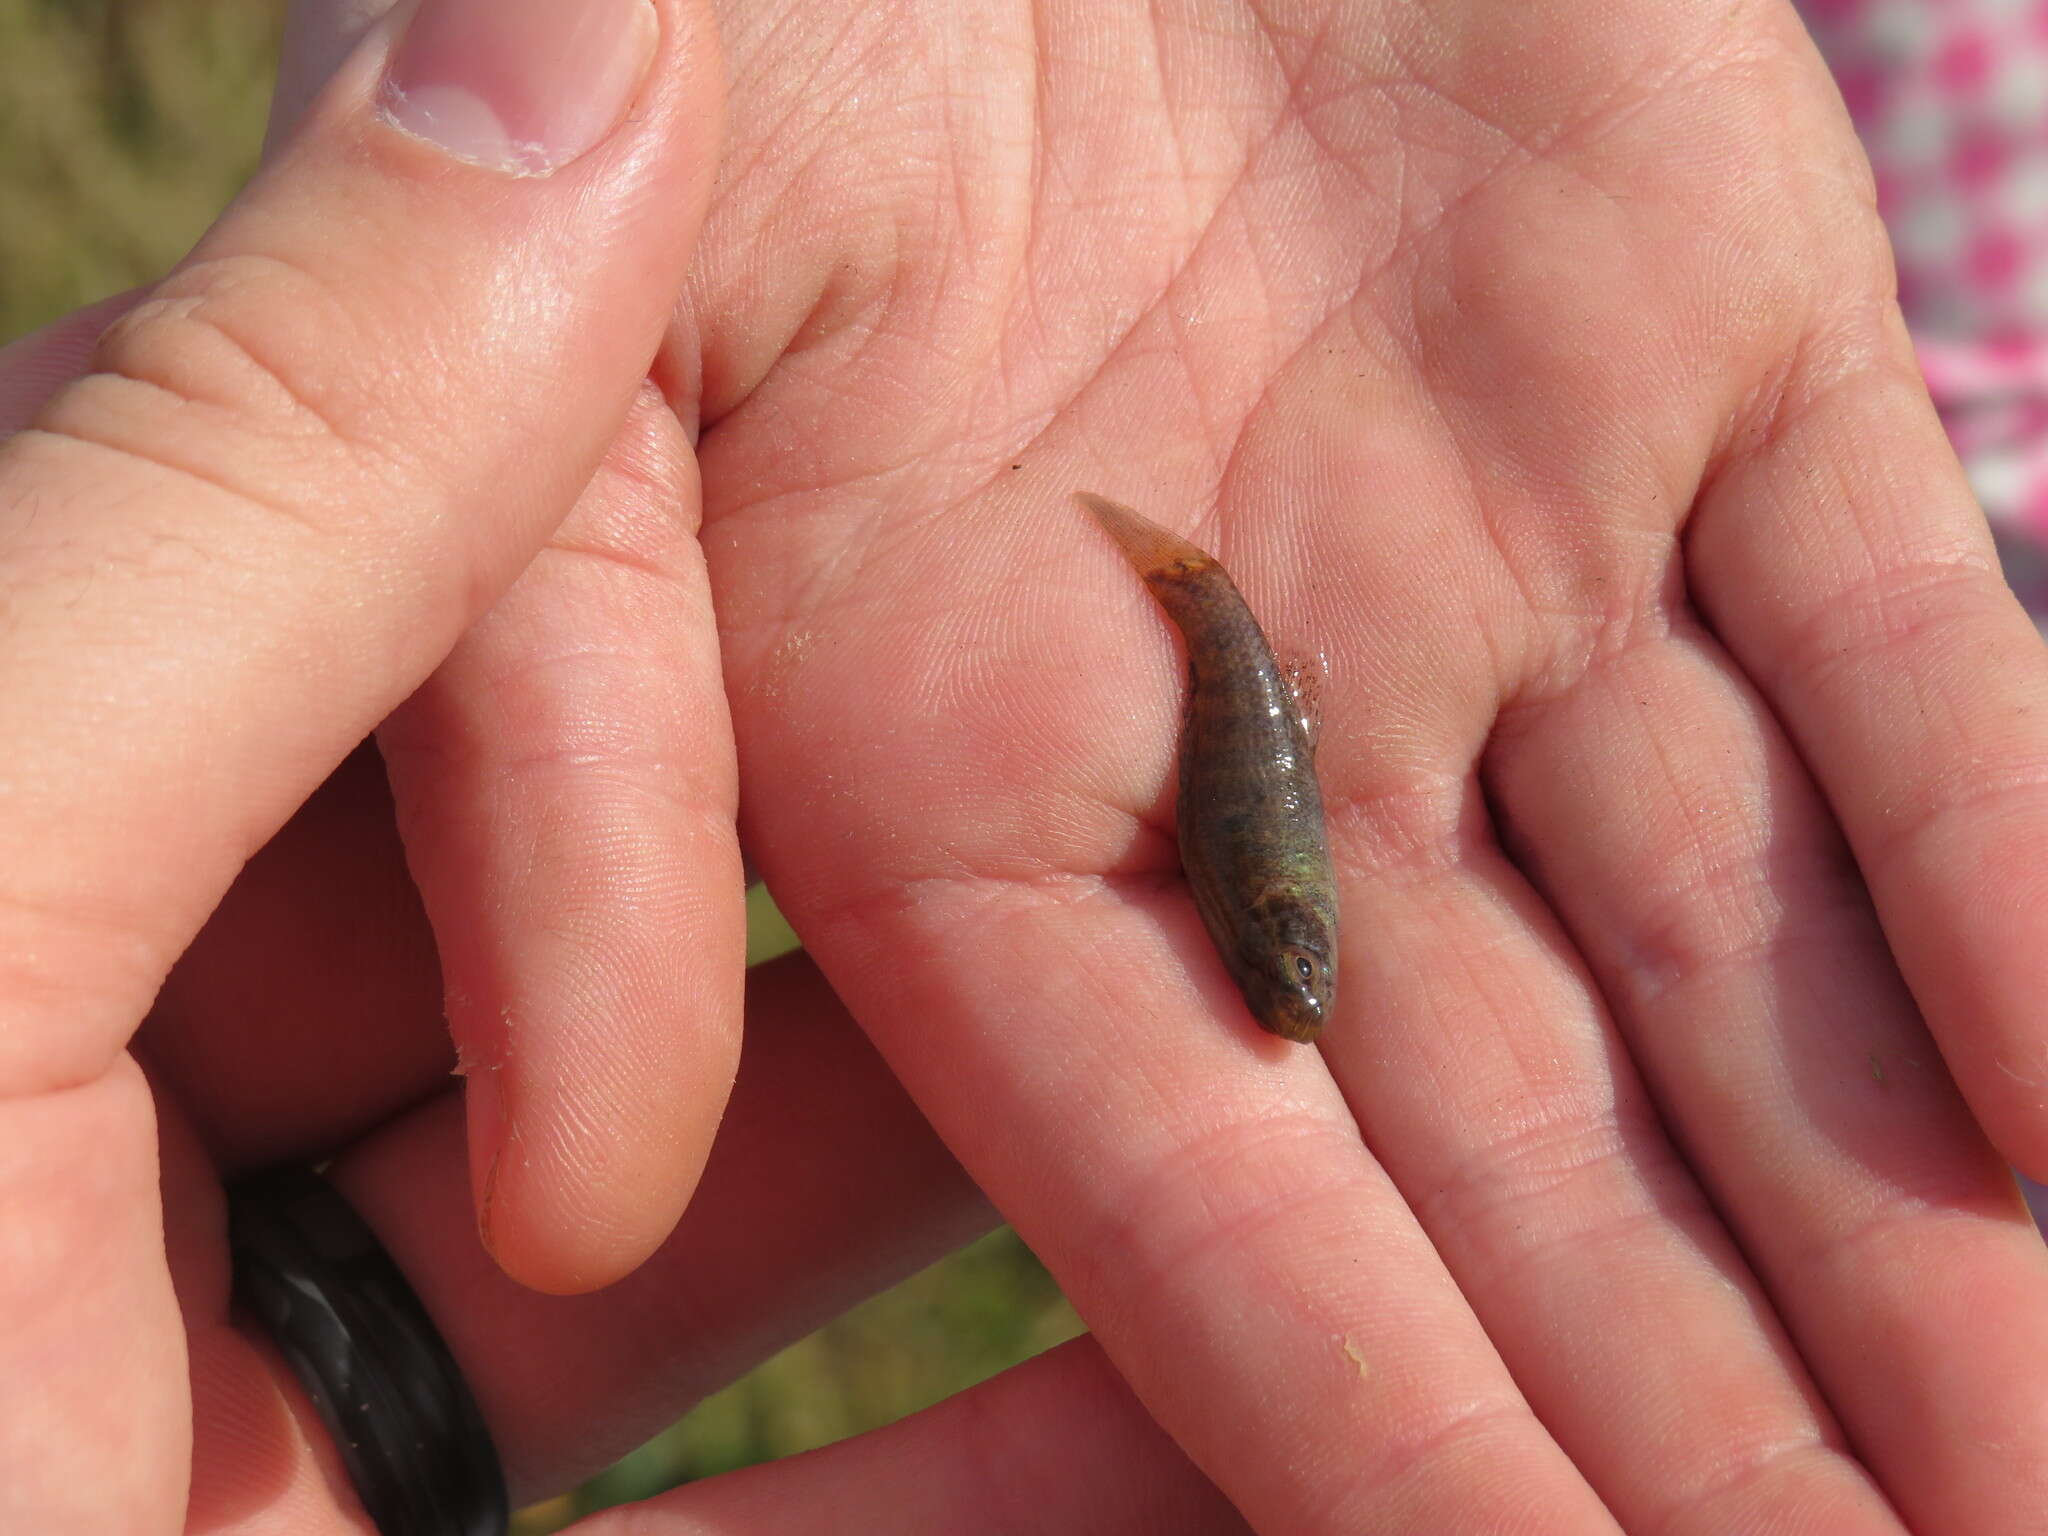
(298, 470)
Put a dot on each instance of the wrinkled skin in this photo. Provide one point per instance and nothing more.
(1681, 746)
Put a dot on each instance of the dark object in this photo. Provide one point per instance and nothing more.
(1250, 816)
(368, 1355)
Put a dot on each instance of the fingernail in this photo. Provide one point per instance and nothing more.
(523, 86)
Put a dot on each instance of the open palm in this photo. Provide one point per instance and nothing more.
(1536, 366)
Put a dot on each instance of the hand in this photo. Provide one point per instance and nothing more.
(1538, 365)
(292, 479)
(286, 485)
(295, 475)
(1215, 1278)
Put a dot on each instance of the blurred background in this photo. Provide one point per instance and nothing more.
(125, 125)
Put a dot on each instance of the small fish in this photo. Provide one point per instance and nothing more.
(1250, 814)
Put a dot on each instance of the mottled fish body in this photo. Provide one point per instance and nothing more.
(1250, 816)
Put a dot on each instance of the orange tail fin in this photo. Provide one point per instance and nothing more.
(1151, 548)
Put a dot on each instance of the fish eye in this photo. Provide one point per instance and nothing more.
(1300, 967)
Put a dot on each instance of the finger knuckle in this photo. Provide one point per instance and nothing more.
(232, 334)
(73, 982)
(240, 374)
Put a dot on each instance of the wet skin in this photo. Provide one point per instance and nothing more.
(1250, 814)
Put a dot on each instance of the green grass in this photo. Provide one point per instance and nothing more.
(768, 934)
(959, 1322)
(125, 125)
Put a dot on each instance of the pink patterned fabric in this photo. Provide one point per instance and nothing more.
(1951, 98)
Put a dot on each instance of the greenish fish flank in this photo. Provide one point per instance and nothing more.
(1250, 816)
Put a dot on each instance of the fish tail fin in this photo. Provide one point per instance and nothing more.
(1151, 548)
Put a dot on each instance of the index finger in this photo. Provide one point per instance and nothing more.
(1868, 604)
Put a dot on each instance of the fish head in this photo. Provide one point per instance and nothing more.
(1290, 976)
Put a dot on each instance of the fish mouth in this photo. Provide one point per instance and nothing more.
(1292, 1018)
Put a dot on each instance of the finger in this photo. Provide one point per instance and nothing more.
(1538, 1167)
(1480, 1061)
(1867, 605)
(1752, 983)
(1209, 1210)
(308, 1009)
(1055, 1444)
(37, 365)
(567, 790)
(280, 1481)
(1481, 1064)
(84, 1302)
(825, 1185)
(126, 522)
(234, 547)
